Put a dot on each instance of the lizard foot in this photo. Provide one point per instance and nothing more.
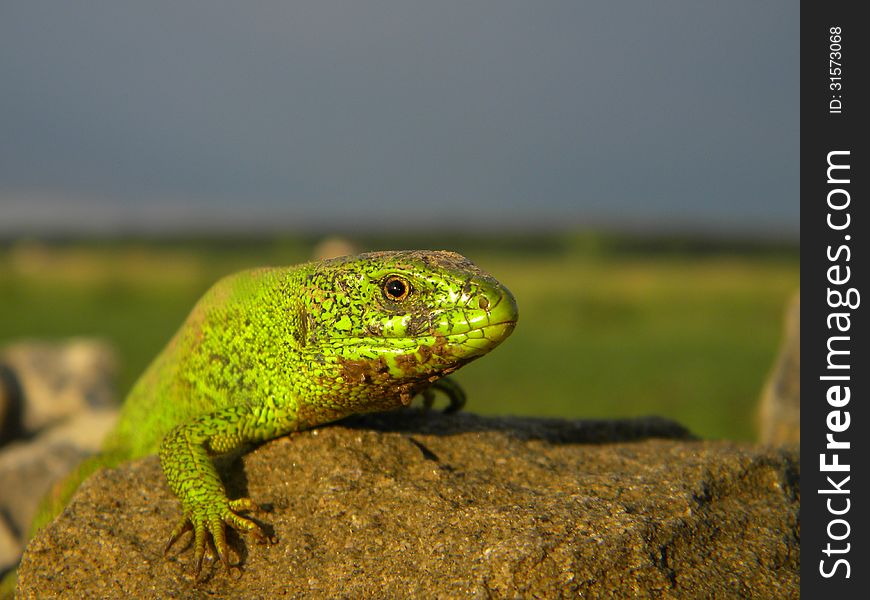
(455, 395)
(209, 531)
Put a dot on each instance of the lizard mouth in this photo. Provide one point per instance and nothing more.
(463, 345)
(492, 333)
(483, 336)
(486, 317)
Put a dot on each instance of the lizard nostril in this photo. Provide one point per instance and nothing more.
(483, 302)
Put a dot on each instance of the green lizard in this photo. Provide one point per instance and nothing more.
(274, 350)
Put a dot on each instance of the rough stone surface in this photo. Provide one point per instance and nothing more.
(780, 407)
(425, 505)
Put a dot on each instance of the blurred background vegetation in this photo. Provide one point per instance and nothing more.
(610, 325)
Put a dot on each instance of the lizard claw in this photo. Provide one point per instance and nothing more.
(209, 532)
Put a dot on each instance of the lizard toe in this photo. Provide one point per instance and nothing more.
(243, 505)
(199, 543)
(183, 527)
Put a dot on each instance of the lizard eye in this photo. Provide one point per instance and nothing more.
(396, 288)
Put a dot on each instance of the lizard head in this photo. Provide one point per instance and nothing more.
(394, 322)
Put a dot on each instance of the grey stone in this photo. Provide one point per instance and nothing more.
(57, 402)
(10, 406)
(780, 406)
(29, 468)
(10, 545)
(60, 379)
(333, 247)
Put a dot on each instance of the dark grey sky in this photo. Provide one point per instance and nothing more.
(166, 115)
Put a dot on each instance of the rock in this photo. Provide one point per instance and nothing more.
(780, 406)
(333, 247)
(408, 504)
(60, 379)
(57, 402)
(10, 545)
(10, 406)
(29, 468)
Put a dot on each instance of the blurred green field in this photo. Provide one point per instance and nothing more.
(605, 330)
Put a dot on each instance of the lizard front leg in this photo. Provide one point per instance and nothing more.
(455, 394)
(185, 456)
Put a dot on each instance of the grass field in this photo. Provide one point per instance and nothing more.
(684, 334)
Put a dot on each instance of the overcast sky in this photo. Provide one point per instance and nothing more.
(118, 116)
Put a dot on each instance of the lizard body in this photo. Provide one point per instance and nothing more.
(274, 350)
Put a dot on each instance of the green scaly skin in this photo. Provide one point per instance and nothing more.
(275, 350)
